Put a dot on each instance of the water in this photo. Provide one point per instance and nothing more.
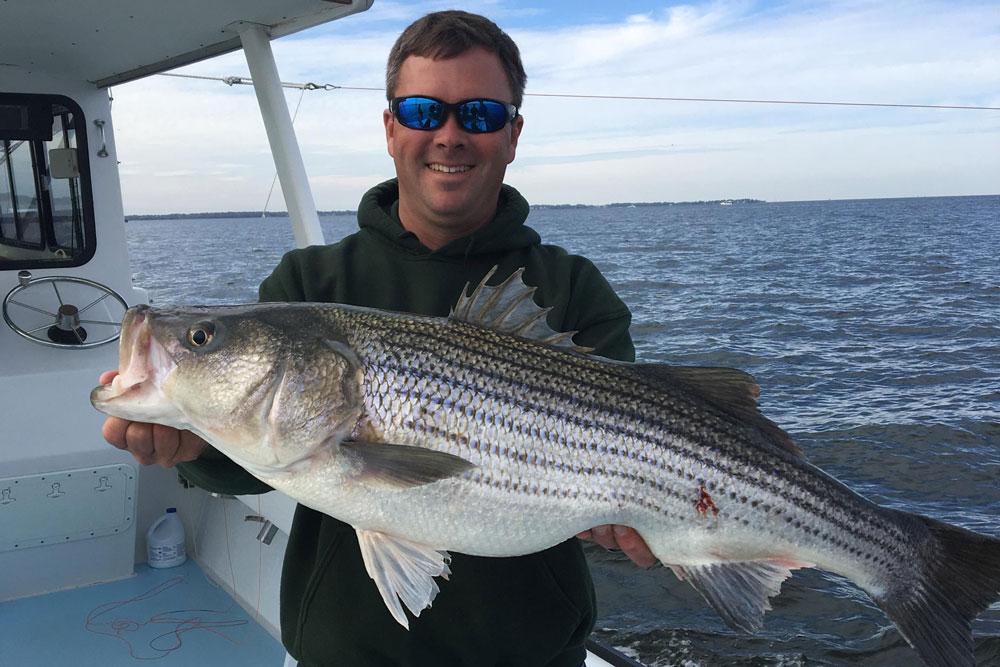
(873, 328)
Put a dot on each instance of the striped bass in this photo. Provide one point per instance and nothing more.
(486, 433)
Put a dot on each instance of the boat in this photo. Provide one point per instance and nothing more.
(726, 202)
(73, 510)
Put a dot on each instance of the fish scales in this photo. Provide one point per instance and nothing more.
(557, 409)
(468, 434)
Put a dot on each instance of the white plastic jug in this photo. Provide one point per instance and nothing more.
(165, 541)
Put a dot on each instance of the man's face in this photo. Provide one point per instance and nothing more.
(449, 178)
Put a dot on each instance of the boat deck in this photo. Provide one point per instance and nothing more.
(172, 616)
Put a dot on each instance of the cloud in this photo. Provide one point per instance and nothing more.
(177, 134)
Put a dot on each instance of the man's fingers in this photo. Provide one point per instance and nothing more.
(605, 536)
(134, 437)
(166, 442)
(173, 446)
(151, 443)
(114, 432)
(621, 538)
(107, 377)
(191, 446)
(139, 437)
(634, 546)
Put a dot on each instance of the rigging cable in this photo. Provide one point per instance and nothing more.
(242, 80)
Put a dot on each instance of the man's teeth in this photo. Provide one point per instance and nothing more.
(450, 170)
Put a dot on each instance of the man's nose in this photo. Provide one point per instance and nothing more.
(450, 133)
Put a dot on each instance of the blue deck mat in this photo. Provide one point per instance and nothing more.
(171, 616)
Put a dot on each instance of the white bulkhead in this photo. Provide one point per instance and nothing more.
(71, 506)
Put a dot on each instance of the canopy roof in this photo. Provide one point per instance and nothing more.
(108, 42)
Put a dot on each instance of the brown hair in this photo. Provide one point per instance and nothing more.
(451, 33)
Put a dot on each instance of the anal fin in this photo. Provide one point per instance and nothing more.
(738, 591)
(403, 570)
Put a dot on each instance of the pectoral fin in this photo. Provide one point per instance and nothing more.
(403, 571)
(739, 591)
(402, 466)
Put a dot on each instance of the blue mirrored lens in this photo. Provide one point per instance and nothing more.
(482, 115)
(419, 113)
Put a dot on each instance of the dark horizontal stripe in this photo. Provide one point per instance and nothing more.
(507, 482)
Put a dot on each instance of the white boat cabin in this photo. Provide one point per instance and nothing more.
(73, 510)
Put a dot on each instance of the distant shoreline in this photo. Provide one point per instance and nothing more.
(637, 204)
(284, 214)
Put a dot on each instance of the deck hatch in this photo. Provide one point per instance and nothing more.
(65, 506)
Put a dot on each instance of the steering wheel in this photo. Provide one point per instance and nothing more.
(51, 317)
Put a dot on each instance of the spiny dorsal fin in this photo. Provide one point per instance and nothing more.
(729, 389)
(403, 466)
(509, 308)
(739, 591)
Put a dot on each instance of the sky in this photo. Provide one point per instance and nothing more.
(191, 146)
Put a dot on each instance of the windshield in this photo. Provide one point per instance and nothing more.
(46, 212)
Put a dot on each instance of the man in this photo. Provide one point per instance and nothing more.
(454, 83)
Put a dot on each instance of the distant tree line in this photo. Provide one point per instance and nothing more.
(284, 214)
(225, 214)
(639, 204)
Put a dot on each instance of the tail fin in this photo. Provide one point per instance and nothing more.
(959, 580)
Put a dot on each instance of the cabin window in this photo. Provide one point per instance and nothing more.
(46, 211)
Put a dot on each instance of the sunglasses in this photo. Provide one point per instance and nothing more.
(479, 116)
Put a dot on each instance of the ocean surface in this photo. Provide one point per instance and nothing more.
(872, 327)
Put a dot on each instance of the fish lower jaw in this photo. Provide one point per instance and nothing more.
(143, 402)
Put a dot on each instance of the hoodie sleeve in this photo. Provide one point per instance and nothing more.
(214, 472)
(592, 308)
(284, 283)
(609, 336)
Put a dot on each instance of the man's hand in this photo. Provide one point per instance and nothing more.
(150, 443)
(621, 538)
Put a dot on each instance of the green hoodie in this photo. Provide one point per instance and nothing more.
(524, 611)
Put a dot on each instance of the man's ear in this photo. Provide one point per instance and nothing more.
(390, 129)
(515, 131)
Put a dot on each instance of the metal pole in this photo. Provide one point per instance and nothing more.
(281, 136)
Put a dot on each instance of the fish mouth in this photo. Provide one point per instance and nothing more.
(143, 366)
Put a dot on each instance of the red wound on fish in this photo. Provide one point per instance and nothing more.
(705, 504)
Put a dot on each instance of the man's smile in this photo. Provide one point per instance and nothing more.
(457, 169)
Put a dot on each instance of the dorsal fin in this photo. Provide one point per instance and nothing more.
(730, 390)
(509, 308)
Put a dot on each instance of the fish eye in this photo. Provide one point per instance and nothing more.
(201, 334)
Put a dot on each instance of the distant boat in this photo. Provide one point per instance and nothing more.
(726, 202)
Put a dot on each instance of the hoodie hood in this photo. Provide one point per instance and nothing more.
(378, 214)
